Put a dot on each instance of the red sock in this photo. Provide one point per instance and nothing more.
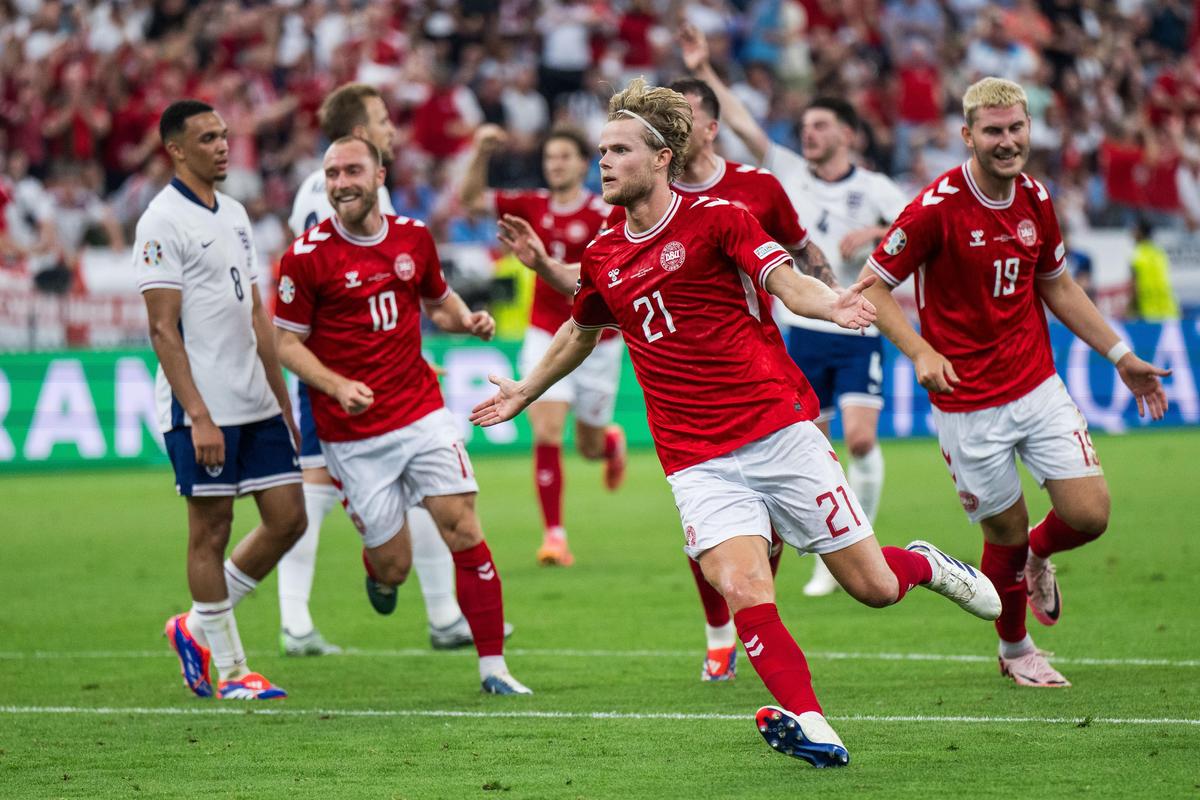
(480, 597)
(1052, 535)
(910, 568)
(776, 552)
(612, 441)
(548, 473)
(1005, 568)
(716, 612)
(776, 657)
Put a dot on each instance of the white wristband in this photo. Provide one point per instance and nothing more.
(1117, 352)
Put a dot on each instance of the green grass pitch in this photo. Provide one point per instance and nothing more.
(91, 705)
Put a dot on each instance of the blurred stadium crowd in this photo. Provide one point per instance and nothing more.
(1114, 89)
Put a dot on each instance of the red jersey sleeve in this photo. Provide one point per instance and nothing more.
(510, 202)
(746, 243)
(589, 310)
(782, 222)
(295, 293)
(910, 242)
(433, 287)
(1052, 261)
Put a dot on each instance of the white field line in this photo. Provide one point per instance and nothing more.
(415, 652)
(243, 711)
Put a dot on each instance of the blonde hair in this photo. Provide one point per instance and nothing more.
(993, 93)
(667, 111)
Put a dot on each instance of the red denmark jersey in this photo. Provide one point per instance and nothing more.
(752, 188)
(976, 261)
(705, 350)
(565, 232)
(359, 301)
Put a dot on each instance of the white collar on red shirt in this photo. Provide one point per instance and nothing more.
(361, 241)
(983, 199)
(656, 228)
(570, 208)
(695, 188)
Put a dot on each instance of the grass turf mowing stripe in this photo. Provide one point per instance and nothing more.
(598, 715)
(416, 652)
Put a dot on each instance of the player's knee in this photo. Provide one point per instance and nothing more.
(212, 533)
(1091, 519)
(591, 448)
(860, 443)
(877, 592)
(392, 572)
(742, 591)
(460, 528)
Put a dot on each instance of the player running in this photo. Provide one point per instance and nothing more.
(729, 412)
(566, 216)
(355, 109)
(222, 402)
(351, 292)
(984, 243)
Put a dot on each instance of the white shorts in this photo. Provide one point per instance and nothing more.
(790, 479)
(591, 389)
(1044, 428)
(382, 477)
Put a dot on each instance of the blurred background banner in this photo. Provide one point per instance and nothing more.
(74, 408)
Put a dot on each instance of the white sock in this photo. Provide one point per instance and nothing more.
(220, 630)
(434, 567)
(1017, 649)
(296, 567)
(720, 637)
(237, 583)
(491, 665)
(866, 479)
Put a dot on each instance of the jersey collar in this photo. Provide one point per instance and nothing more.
(570, 208)
(183, 189)
(657, 227)
(361, 241)
(841, 179)
(696, 188)
(983, 199)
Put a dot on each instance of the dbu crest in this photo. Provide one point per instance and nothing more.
(672, 256)
(404, 267)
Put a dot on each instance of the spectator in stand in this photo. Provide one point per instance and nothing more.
(566, 27)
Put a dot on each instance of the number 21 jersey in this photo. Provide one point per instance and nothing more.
(359, 301)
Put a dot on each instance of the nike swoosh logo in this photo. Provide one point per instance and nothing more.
(206, 244)
(1053, 612)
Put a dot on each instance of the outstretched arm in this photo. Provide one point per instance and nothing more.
(694, 48)
(472, 193)
(571, 345)
(527, 246)
(1073, 308)
(811, 261)
(808, 297)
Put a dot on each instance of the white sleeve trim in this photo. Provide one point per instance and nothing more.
(887, 277)
(1046, 276)
(294, 327)
(782, 258)
(800, 245)
(581, 326)
(159, 283)
(437, 301)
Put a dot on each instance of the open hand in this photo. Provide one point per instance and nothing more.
(520, 237)
(1143, 379)
(502, 406)
(852, 310)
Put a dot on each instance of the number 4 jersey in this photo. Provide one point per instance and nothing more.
(359, 301)
(708, 356)
(207, 255)
(976, 261)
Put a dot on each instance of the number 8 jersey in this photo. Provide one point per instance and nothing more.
(207, 255)
(359, 301)
(976, 261)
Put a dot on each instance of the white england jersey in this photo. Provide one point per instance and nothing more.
(830, 210)
(312, 204)
(208, 255)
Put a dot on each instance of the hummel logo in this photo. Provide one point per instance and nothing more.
(614, 277)
(486, 572)
(206, 244)
(977, 239)
(352, 279)
(754, 647)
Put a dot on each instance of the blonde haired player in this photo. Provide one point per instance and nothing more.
(730, 414)
(984, 244)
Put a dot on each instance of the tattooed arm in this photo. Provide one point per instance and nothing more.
(811, 261)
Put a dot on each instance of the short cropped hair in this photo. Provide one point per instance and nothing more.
(993, 93)
(708, 98)
(372, 150)
(841, 109)
(174, 119)
(345, 109)
(571, 134)
(666, 110)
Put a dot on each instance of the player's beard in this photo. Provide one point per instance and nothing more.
(354, 213)
(1000, 170)
(631, 189)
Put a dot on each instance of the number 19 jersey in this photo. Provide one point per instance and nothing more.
(359, 301)
(976, 262)
(685, 294)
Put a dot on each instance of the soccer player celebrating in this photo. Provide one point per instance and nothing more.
(848, 208)
(985, 244)
(706, 174)
(566, 217)
(350, 295)
(729, 412)
(222, 402)
(355, 109)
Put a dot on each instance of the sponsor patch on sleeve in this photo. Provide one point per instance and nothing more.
(762, 251)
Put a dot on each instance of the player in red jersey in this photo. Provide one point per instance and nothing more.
(566, 217)
(730, 414)
(984, 243)
(705, 173)
(350, 295)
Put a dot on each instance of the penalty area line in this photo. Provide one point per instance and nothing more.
(176, 711)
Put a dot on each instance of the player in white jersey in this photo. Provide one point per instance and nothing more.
(222, 402)
(355, 109)
(846, 209)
